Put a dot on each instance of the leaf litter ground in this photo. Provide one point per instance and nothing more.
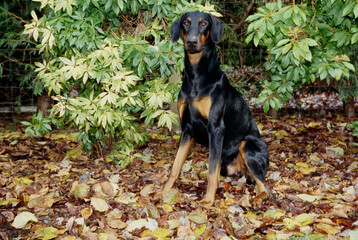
(49, 188)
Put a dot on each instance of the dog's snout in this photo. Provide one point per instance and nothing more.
(192, 41)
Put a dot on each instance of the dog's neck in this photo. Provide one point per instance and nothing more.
(200, 62)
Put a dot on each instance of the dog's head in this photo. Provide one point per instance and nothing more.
(197, 28)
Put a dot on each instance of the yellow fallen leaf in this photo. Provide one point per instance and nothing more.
(250, 214)
(171, 197)
(305, 168)
(304, 219)
(200, 230)
(314, 124)
(198, 218)
(332, 230)
(6, 202)
(160, 233)
(23, 180)
(23, 218)
(273, 214)
(307, 198)
(74, 153)
(49, 233)
(86, 213)
(289, 223)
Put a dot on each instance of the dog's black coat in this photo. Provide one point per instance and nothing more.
(211, 111)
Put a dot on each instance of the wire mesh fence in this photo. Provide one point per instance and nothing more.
(17, 97)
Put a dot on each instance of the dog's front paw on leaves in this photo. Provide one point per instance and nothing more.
(207, 201)
(257, 201)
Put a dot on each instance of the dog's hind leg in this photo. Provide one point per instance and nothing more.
(254, 153)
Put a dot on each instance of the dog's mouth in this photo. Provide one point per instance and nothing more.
(192, 49)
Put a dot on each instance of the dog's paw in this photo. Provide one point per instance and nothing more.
(257, 201)
(207, 201)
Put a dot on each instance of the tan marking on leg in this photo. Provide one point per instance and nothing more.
(238, 165)
(178, 164)
(203, 105)
(181, 107)
(262, 190)
(213, 184)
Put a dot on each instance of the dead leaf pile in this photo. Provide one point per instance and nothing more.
(49, 188)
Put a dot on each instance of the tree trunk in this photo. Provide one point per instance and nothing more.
(349, 107)
(273, 113)
(44, 103)
(174, 78)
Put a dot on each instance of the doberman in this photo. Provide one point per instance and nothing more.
(213, 113)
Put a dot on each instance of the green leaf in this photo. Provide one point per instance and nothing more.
(310, 42)
(354, 38)
(283, 42)
(348, 9)
(297, 19)
(256, 40)
(266, 106)
(356, 11)
(286, 48)
(296, 52)
(348, 65)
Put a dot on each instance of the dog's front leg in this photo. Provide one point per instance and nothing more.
(185, 144)
(215, 150)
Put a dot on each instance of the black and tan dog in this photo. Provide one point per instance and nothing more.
(213, 113)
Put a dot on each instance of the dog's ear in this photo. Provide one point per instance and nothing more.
(217, 29)
(175, 30)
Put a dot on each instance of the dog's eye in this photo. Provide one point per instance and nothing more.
(203, 24)
(186, 24)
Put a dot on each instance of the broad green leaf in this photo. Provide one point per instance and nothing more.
(348, 8)
(283, 42)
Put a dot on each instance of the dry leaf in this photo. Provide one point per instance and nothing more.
(99, 204)
(23, 218)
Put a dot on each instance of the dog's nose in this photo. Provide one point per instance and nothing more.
(192, 41)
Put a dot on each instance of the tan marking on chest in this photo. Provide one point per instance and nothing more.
(181, 104)
(194, 58)
(203, 105)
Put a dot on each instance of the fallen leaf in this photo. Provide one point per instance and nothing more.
(349, 194)
(99, 204)
(86, 213)
(198, 218)
(161, 233)
(147, 191)
(274, 214)
(175, 223)
(332, 230)
(244, 201)
(171, 197)
(308, 198)
(305, 168)
(22, 219)
(136, 224)
(200, 230)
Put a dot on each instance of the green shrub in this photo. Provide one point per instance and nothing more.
(39, 126)
(107, 63)
(306, 42)
(354, 127)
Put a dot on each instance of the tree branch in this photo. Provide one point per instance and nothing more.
(251, 5)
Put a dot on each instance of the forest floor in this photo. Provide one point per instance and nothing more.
(50, 188)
